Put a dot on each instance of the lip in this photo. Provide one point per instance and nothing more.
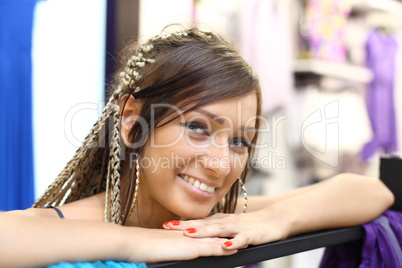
(201, 180)
(196, 190)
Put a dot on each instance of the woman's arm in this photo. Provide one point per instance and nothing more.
(30, 241)
(344, 200)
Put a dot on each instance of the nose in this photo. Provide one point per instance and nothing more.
(217, 160)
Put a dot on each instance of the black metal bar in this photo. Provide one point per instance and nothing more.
(292, 245)
(391, 175)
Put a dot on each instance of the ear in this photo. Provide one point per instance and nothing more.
(130, 109)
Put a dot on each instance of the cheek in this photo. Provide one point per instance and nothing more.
(237, 165)
(166, 150)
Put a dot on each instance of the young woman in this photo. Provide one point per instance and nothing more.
(158, 177)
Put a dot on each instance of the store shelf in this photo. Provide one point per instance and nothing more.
(333, 69)
(388, 6)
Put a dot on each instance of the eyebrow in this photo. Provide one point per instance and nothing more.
(212, 116)
(222, 120)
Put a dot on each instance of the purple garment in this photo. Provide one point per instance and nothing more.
(345, 255)
(381, 51)
(381, 247)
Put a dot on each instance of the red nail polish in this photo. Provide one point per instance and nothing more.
(228, 243)
(166, 224)
(191, 230)
(175, 223)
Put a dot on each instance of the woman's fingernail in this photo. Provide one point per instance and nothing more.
(228, 243)
(166, 224)
(175, 223)
(191, 230)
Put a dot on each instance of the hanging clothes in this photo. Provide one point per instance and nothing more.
(346, 108)
(381, 246)
(326, 23)
(398, 94)
(16, 154)
(98, 264)
(381, 49)
(332, 127)
(266, 44)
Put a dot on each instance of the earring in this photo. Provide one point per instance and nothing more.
(137, 183)
(243, 187)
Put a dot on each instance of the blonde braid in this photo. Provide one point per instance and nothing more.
(55, 194)
(131, 74)
(113, 177)
(128, 77)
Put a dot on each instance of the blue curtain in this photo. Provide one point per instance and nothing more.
(16, 148)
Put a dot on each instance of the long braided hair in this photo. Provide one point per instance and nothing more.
(187, 68)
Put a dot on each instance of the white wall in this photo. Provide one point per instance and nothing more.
(68, 80)
(156, 14)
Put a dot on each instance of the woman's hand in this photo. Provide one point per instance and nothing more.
(345, 200)
(240, 230)
(155, 245)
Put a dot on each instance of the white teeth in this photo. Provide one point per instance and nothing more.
(198, 184)
(203, 187)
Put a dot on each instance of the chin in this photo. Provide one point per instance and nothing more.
(191, 215)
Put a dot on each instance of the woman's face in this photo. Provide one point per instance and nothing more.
(189, 164)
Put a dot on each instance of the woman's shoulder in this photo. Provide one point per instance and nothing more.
(90, 208)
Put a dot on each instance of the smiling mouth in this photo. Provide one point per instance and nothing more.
(197, 184)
